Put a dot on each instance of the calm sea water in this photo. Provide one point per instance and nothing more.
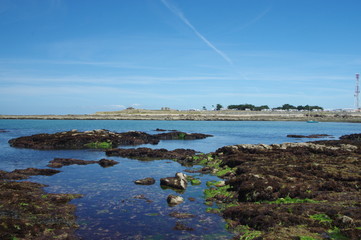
(108, 209)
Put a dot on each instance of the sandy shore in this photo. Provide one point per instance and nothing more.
(201, 116)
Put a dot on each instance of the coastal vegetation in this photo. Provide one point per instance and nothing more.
(285, 107)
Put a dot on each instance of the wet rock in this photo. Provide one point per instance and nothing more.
(174, 200)
(178, 182)
(60, 162)
(107, 162)
(145, 181)
(151, 154)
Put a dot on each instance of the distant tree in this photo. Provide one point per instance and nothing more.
(248, 107)
(204, 108)
(219, 107)
(260, 108)
(300, 107)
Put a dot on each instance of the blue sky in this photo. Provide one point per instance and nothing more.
(66, 56)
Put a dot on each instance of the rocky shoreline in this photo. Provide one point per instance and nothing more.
(281, 191)
(201, 116)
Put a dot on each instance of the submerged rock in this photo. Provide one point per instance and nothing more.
(181, 215)
(182, 227)
(178, 182)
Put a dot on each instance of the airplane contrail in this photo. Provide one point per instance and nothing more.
(179, 13)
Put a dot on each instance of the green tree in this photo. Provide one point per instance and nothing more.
(219, 107)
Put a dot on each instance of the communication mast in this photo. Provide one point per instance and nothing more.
(357, 92)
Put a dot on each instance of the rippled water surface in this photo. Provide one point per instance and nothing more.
(113, 207)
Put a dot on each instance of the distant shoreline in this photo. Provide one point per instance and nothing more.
(201, 116)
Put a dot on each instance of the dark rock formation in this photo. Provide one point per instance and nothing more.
(60, 162)
(309, 136)
(151, 154)
(82, 140)
(96, 139)
(145, 181)
(107, 163)
(353, 137)
(178, 182)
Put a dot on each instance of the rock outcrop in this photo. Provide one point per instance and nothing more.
(280, 186)
(97, 139)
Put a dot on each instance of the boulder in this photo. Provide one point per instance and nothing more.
(178, 182)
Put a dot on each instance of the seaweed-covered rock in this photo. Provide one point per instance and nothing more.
(96, 139)
(28, 212)
(282, 186)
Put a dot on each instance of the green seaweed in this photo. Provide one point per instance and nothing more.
(99, 145)
(321, 217)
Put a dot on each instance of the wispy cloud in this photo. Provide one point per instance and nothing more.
(181, 16)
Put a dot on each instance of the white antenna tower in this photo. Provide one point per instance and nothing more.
(357, 91)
